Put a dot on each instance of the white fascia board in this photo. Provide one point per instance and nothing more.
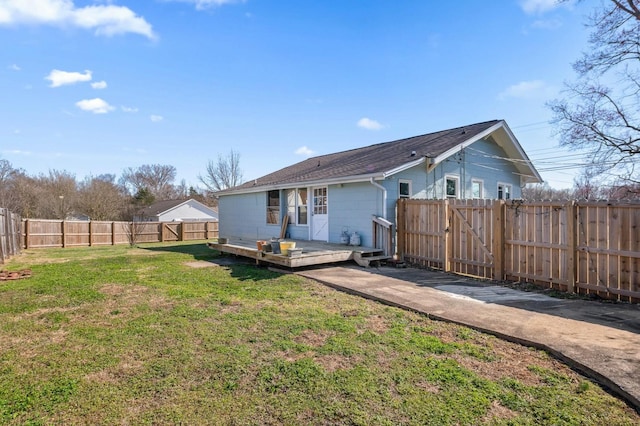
(306, 184)
(203, 206)
(514, 142)
(468, 142)
(405, 166)
(522, 153)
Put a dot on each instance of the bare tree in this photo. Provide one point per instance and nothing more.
(223, 174)
(9, 195)
(157, 179)
(601, 109)
(100, 198)
(587, 187)
(542, 191)
(57, 194)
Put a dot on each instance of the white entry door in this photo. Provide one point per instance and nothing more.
(320, 215)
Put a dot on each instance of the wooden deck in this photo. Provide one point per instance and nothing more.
(313, 253)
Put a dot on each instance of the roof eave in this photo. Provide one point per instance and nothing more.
(290, 185)
(528, 170)
(405, 166)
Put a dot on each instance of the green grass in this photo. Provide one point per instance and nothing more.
(120, 335)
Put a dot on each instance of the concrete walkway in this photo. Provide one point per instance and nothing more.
(601, 340)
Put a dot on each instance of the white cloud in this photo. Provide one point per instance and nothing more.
(526, 90)
(99, 85)
(369, 124)
(205, 4)
(60, 78)
(14, 67)
(95, 105)
(305, 151)
(547, 24)
(156, 118)
(129, 109)
(18, 152)
(532, 7)
(107, 20)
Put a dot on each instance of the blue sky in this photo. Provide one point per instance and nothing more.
(94, 87)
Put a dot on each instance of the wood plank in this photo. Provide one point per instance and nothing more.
(285, 223)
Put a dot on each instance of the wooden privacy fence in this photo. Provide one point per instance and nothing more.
(9, 234)
(583, 247)
(39, 233)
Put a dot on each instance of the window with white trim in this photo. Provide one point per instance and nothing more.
(477, 188)
(504, 191)
(273, 207)
(404, 188)
(451, 186)
(297, 206)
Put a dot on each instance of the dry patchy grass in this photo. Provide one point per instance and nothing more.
(116, 336)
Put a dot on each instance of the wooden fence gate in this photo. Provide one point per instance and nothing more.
(584, 247)
(471, 238)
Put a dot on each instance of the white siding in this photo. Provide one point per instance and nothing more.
(186, 212)
(245, 216)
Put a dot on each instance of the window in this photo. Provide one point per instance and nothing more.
(273, 207)
(297, 206)
(504, 191)
(451, 186)
(476, 188)
(404, 189)
(320, 200)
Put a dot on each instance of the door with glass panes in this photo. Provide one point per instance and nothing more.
(320, 215)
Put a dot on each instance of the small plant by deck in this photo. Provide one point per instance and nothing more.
(145, 335)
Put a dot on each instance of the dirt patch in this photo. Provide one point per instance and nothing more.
(331, 363)
(122, 290)
(125, 369)
(201, 264)
(312, 338)
(429, 387)
(377, 324)
(122, 298)
(498, 411)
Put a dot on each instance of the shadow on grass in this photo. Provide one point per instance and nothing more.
(240, 268)
(199, 251)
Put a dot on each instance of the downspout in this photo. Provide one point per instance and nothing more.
(384, 197)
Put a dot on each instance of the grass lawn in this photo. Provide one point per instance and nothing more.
(146, 335)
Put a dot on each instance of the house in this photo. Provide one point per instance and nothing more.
(325, 195)
(177, 211)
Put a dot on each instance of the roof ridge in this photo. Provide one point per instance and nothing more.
(445, 131)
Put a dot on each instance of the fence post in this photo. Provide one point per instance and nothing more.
(3, 212)
(64, 237)
(498, 239)
(401, 227)
(572, 247)
(182, 231)
(90, 233)
(26, 234)
(448, 246)
(113, 233)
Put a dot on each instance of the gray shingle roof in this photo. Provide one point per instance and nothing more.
(369, 160)
(159, 207)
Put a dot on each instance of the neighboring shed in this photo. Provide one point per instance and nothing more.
(177, 211)
(325, 196)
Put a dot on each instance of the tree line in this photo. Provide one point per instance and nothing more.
(58, 194)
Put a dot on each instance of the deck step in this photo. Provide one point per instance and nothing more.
(365, 260)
